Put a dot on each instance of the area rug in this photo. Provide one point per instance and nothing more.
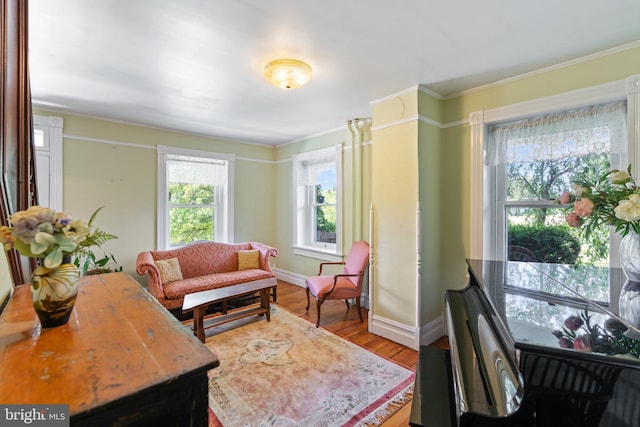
(287, 372)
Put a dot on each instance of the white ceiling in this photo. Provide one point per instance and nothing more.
(196, 65)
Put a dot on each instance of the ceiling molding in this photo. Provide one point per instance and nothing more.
(559, 66)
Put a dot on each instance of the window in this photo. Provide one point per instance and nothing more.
(529, 163)
(317, 195)
(195, 199)
(47, 139)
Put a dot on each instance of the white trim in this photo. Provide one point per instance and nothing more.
(433, 330)
(418, 243)
(476, 225)
(46, 107)
(409, 119)
(338, 129)
(415, 117)
(51, 121)
(426, 90)
(479, 119)
(430, 121)
(395, 331)
(559, 66)
(110, 141)
(154, 147)
(395, 95)
(301, 233)
(54, 127)
(317, 253)
(633, 121)
(563, 101)
(461, 122)
(163, 202)
(162, 237)
(290, 277)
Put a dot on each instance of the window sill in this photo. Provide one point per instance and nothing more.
(317, 253)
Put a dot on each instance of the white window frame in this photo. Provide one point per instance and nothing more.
(51, 152)
(481, 248)
(303, 204)
(224, 222)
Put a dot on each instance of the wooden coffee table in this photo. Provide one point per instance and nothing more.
(200, 301)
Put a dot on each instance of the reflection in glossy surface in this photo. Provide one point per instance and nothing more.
(483, 359)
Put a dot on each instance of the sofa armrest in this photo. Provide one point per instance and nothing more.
(266, 251)
(146, 265)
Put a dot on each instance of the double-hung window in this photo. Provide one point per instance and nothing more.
(195, 197)
(317, 194)
(530, 162)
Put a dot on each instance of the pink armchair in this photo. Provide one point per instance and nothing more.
(341, 286)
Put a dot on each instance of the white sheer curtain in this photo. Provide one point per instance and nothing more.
(575, 133)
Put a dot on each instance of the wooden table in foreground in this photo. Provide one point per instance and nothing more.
(122, 359)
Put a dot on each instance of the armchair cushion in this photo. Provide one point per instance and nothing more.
(169, 270)
(345, 289)
(248, 259)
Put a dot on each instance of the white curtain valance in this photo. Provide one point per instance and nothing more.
(575, 133)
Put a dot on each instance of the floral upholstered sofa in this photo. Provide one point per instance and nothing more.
(201, 266)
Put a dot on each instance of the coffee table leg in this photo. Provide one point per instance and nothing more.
(198, 325)
(264, 302)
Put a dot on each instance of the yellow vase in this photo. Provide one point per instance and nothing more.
(53, 293)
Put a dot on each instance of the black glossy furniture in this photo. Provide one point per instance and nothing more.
(505, 366)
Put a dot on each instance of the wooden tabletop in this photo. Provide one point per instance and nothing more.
(119, 340)
(226, 292)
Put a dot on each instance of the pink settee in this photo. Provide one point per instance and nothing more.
(203, 265)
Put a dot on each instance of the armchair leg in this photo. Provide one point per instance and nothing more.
(358, 307)
(318, 304)
(308, 302)
(347, 301)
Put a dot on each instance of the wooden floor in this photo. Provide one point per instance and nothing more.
(336, 318)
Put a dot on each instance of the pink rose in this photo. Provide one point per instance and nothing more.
(583, 207)
(573, 220)
(582, 343)
(566, 198)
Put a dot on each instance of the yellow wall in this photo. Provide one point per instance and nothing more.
(409, 162)
(300, 265)
(455, 177)
(394, 185)
(120, 173)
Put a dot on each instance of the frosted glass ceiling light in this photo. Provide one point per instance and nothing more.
(287, 73)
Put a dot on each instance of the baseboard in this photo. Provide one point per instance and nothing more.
(290, 277)
(395, 331)
(432, 331)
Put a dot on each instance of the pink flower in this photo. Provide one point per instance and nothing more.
(583, 207)
(573, 323)
(582, 343)
(566, 198)
(574, 220)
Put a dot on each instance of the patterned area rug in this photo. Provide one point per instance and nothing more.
(287, 372)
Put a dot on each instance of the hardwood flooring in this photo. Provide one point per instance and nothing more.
(336, 318)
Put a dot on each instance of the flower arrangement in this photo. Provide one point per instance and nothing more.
(580, 334)
(40, 232)
(613, 199)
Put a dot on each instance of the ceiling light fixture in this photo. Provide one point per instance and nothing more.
(287, 73)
